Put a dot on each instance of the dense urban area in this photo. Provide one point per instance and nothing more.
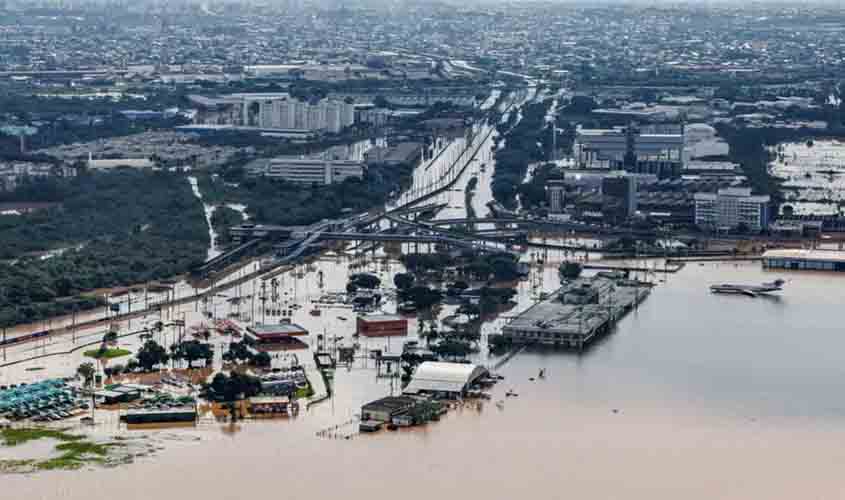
(337, 220)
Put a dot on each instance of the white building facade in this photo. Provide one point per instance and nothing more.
(309, 171)
(731, 208)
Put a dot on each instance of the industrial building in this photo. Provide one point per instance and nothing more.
(110, 163)
(732, 208)
(577, 313)
(308, 170)
(160, 416)
(382, 325)
(401, 153)
(384, 409)
(445, 379)
(117, 394)
(626, 148)
(803, 259)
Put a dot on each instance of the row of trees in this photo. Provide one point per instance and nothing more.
(285, 203)
(521, 149)
(242, 352)
(479, 266)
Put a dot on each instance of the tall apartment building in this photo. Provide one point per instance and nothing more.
(730, 208)
(276, 111)
(324, 115)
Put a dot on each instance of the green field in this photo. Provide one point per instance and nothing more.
(107, 354)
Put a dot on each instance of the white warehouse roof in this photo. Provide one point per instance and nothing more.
(444, 377)
(804, 254)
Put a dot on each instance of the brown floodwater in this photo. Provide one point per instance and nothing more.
(694, 396)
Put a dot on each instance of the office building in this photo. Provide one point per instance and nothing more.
(309, 170)
(619, 193)
(556, 195)
(732, 208)
(626, 148)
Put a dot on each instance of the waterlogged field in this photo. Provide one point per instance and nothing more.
(813, 175)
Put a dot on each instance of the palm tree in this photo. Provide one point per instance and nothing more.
(86, 371)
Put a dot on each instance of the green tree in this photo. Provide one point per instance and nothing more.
(569, 270)
(86, 371)
(193, 350)
(403, 281)
(152, 354)
(110, 337)
(262, 359)
(452, 349)
(365, 280)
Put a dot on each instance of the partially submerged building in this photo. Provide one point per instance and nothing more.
(804, 259)
(284, 333)
(445, 379)
(577, 313)
(382, 325)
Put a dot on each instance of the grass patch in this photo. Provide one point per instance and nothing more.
(14, 464)
(75, 451)
(107, 354)
(304, 392)
(75, 455)
(14, 437)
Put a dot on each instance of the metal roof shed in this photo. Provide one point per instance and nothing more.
(454, 378)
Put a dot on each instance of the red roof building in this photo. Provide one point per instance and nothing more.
(382, 325)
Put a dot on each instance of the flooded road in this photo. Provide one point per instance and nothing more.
(213, 251)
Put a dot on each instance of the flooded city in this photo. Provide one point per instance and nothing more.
(688, 382)
(416, 250)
